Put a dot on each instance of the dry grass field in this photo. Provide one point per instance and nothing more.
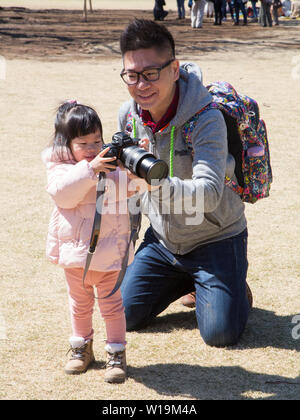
(168, 360)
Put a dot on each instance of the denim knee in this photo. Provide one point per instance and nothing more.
(221, 338)
(136, 317)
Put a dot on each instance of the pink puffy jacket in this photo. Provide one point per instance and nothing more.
(72, 185)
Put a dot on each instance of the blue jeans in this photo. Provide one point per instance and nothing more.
(216, 271)
(253, 2)
(181, 9)
(239, 5)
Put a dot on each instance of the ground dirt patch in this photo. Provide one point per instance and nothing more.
(62, 34)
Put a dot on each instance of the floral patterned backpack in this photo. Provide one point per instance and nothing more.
(247, 141)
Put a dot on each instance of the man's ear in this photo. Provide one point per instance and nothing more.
(175, 65)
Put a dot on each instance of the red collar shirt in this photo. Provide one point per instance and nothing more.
(164, 121)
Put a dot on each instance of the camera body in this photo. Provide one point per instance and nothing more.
(140, 162)
(119, 141)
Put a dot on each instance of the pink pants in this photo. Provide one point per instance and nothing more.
(81, 301)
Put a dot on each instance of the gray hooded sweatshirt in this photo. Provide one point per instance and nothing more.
(193, 207)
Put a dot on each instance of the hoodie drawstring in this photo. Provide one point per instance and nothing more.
(172, 151)
(171, 144)
(134, 127)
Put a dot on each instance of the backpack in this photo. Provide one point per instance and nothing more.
(247, 141)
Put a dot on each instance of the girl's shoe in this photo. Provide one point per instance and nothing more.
(116, 368)
(82, 356)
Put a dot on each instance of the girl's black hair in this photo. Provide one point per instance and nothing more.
(73, 120)
(145, 34)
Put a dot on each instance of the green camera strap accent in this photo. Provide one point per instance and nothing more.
(171, 144)
(134, 127)
(172, 151)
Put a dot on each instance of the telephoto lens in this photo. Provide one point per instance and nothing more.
(144, 164)
(140, 162)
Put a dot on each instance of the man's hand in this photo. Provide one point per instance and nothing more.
(144, 144)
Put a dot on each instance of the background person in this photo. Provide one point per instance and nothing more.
(275, 7)
(158, 11)
(218, 12)
(181, 9)
(287, 8)
(254, 8)
(197, 13)
(265, 17)
(239, 5)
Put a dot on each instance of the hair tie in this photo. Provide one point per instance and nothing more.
(72, 101)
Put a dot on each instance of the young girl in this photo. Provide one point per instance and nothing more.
(73, 163)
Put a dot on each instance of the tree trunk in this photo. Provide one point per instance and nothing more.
(84, 11)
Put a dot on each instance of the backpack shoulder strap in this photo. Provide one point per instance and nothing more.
(248, 142)
(190, 124)
(187, 134)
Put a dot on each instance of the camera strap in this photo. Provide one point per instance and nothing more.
(135, 225)
(97, 223)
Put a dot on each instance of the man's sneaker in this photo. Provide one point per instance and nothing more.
(189, 300)
(81, 357)
(116, 368)
(249, 295)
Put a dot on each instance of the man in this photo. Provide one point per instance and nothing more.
(265, 17)
(197, 13)
(240, 5)
(181, 9)
(276, 6)
(158, 12)
(218, 12)
(180, 254)
(255, 15)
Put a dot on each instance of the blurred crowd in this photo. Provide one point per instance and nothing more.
(266, 12)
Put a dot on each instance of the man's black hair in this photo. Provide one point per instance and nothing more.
(145, 34)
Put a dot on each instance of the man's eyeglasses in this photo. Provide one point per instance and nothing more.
(151, 74)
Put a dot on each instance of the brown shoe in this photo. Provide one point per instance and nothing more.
(116, 368)
(189, 300)
(249, 296)
(82, 356)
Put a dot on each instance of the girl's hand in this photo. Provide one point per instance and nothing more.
(102, 164)
(144, 144)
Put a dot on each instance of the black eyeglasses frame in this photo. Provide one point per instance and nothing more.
(141, 73)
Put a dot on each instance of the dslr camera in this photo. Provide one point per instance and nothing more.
(137, 160)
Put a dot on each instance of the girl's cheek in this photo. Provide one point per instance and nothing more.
(77, 154)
